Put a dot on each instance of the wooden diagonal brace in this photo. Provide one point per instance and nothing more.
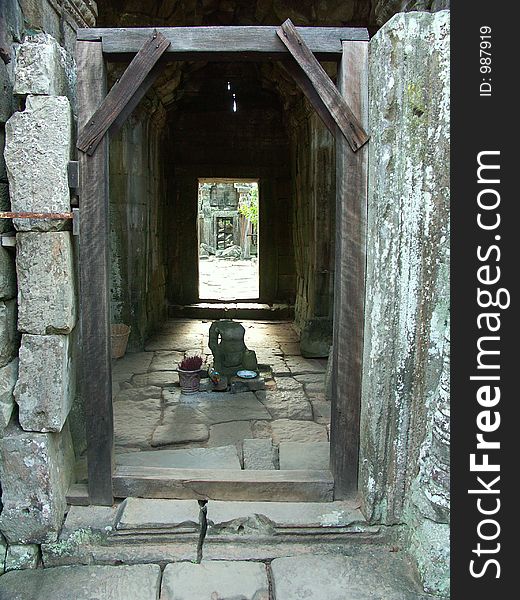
(121, 94)
(319, 83)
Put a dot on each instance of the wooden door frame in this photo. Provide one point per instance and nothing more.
(347, 46)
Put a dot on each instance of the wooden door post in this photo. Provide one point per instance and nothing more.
(94, 267)
(349, 287)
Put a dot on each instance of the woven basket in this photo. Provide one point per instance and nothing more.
(120, 334)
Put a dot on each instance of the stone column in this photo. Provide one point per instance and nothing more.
(404, 401)
(36, 454)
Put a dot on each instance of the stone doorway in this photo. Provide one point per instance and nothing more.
(228, 224)
(315, 285)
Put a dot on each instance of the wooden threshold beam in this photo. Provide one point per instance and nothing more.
(208, 41)
(134, 81)
(346, 120)
(223, 484)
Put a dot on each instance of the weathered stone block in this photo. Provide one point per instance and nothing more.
(22, 556)
(9, 336)
(46, 295)
(35, 470)
(138, 582)
(7, 275)
(8, 377)
(40, 67)
(407, 300)
(38, 142)
(259, 454)
(286, 404)
(316, 338)
(217, 579)
(47, 361)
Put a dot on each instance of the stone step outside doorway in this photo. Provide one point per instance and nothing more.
(147, 549)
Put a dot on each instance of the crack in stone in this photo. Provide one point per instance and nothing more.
(203, 521)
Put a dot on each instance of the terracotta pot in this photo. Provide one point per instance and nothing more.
(189, 381)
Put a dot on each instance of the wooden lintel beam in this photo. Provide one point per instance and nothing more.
(122, 93)
(254, 40)
(339, 110)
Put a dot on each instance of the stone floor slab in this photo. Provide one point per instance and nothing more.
(139, 582)
(286, 404)
(160, 378)
(166, 361)
(287, 430)
(215, 580)
(321, 410)
(136, 394)
(229, 433)
(288, 383)
(135, 422)
(300, 366)
(224, 457)
(223, 408)
(369, 575)
(304, 455)
(258, 454)
(134, 362)
(144, 514)
(96, 518)
(179, 433)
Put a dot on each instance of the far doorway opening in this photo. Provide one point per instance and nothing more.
(228, 221)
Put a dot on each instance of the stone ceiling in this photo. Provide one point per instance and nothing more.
(168, 13)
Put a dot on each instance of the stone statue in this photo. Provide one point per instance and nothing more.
(230, 354)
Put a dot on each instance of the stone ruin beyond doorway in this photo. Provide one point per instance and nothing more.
(228, 224)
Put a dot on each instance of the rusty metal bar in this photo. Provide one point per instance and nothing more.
(35, 215)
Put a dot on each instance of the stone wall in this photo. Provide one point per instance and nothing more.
(404, 457)
(137, 215)
(314, 193)
(38, 291)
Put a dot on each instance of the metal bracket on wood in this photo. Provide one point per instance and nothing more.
(8, 240)
(73, 174)
(75, 221)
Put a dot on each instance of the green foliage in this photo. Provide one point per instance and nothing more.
(249, 207)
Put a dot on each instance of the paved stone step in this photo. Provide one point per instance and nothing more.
(223, 484)
(338, 573)
(232, 310)
(369, 574)
(144, 515)
(215, 579)
(304, 455)
(221, 457)
(114, 550)
(139, 582)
